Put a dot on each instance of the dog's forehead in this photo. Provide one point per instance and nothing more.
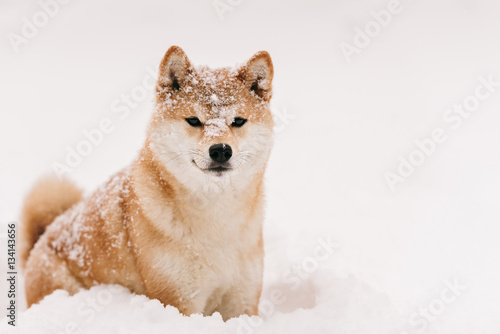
(216, 87)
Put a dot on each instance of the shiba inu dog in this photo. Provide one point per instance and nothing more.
(181, 224)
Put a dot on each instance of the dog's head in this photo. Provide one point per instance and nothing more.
(212, 125)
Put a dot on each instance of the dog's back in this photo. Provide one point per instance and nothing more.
(85, 244)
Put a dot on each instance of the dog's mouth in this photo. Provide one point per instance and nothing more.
(218, 169)
(214, 168)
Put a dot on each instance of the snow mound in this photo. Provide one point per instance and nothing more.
(323, 304)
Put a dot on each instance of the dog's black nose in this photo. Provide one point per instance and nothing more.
(220, 153)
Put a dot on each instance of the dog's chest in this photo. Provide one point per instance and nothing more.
(209, 252)
(201, 252)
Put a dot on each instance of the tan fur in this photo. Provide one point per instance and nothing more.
(166, 226)
(48, 198)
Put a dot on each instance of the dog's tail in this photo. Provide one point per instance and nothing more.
(48, 198)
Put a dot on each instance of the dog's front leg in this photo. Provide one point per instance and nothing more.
(244, 294)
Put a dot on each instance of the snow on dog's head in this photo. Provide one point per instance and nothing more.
(212, 124)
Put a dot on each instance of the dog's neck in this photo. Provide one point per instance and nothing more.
(210, 201)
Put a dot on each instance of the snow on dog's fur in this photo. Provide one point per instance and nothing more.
(182, 223)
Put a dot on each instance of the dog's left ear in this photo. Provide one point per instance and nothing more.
(174, 69)
(258, 74)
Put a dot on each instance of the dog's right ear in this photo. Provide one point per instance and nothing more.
(258, 74)
(174, 69)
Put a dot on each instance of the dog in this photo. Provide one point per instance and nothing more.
(183, 222)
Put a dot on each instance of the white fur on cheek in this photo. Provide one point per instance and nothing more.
(254, 149)
(175, 149)
(259, 138)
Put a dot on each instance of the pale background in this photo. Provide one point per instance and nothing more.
(349, 123)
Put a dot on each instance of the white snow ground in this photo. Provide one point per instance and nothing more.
(398, 251)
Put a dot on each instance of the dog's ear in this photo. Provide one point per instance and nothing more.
(258, 74)
(174, 69)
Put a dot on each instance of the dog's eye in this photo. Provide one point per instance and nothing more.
(194, 121)
(238, 122)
